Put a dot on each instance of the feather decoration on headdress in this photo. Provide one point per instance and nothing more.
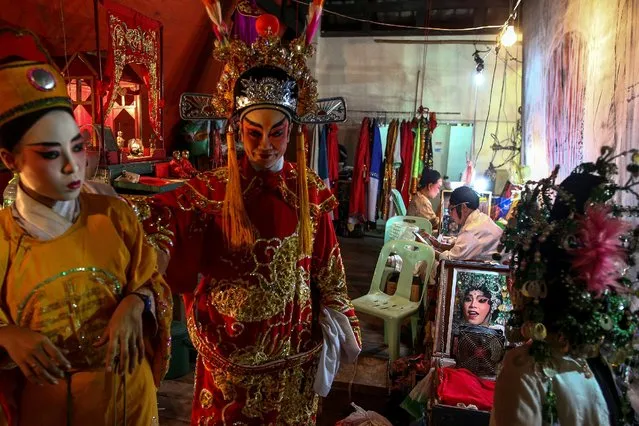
(596, 261)
(214, 10)
(314, 15)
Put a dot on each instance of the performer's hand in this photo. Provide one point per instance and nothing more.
(432, 240)
(124, 335)
(39, 359)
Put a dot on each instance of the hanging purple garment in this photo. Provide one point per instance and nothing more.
(322, 169)
(376, 173)
(244, 26)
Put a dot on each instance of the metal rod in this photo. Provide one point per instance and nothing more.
(96, 24)
(399, 112)
(161, 136)
(429, 41)
(416, 91)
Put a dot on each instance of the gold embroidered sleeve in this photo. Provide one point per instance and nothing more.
(327, 273)
(156, 220)
(142, 273)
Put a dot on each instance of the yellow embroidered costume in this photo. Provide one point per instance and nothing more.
(67, 286)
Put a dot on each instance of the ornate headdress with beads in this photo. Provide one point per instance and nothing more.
(298, 93)
(572, 249)
(265, 74)
(31, 83)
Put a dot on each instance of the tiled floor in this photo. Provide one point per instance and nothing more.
(366, 380)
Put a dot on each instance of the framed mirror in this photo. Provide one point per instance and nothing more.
(472, 309)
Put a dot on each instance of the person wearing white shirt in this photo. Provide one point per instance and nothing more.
(478, 237)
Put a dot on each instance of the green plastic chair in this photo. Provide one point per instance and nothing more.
(398, 202)
(395, 224)
(394, 309)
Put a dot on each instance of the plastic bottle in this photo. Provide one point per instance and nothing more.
(10, 192)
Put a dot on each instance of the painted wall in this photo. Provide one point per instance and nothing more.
(384, 77)
(600, 62)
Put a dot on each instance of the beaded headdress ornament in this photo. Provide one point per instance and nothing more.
(573, 252)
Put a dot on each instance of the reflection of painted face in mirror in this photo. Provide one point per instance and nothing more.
(50, 158)
(476, 307)
(265, 134)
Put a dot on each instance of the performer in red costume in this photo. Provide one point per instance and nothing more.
(253, 251)
(175, 166)
(187, 166)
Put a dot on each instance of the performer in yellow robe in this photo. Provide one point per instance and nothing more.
(84, 314)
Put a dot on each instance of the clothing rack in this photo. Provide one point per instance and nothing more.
(366, 111)
(384, 114)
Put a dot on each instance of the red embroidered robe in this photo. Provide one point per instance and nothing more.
(252, 316)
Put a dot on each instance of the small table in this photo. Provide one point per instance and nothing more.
(148, 186)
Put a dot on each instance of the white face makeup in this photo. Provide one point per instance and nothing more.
(50, 158)
(265, 134)
(476, 307)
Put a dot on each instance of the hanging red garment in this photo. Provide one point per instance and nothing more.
(333, 162)
(217, 159)
(357, 207)
(405, 170)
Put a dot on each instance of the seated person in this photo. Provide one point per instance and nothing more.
(420, 205)
(478, 237)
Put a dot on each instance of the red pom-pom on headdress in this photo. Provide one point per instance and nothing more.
(267, 24)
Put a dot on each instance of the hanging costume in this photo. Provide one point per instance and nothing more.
(404, 173)
(376, 174)
(390, 168)
(64, 270)
(256, 257)
(357, 210)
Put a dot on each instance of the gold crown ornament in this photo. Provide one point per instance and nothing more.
(28, 80)
(294, 89)
(267, 51)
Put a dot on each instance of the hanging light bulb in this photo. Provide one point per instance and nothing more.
(479, 78)
(509, 37)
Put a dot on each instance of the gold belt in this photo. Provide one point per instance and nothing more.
(213, 360)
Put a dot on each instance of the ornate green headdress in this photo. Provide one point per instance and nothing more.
(572, 249)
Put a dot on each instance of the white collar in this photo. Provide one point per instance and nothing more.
(276, 167)
(44, 222)
(474, 217)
